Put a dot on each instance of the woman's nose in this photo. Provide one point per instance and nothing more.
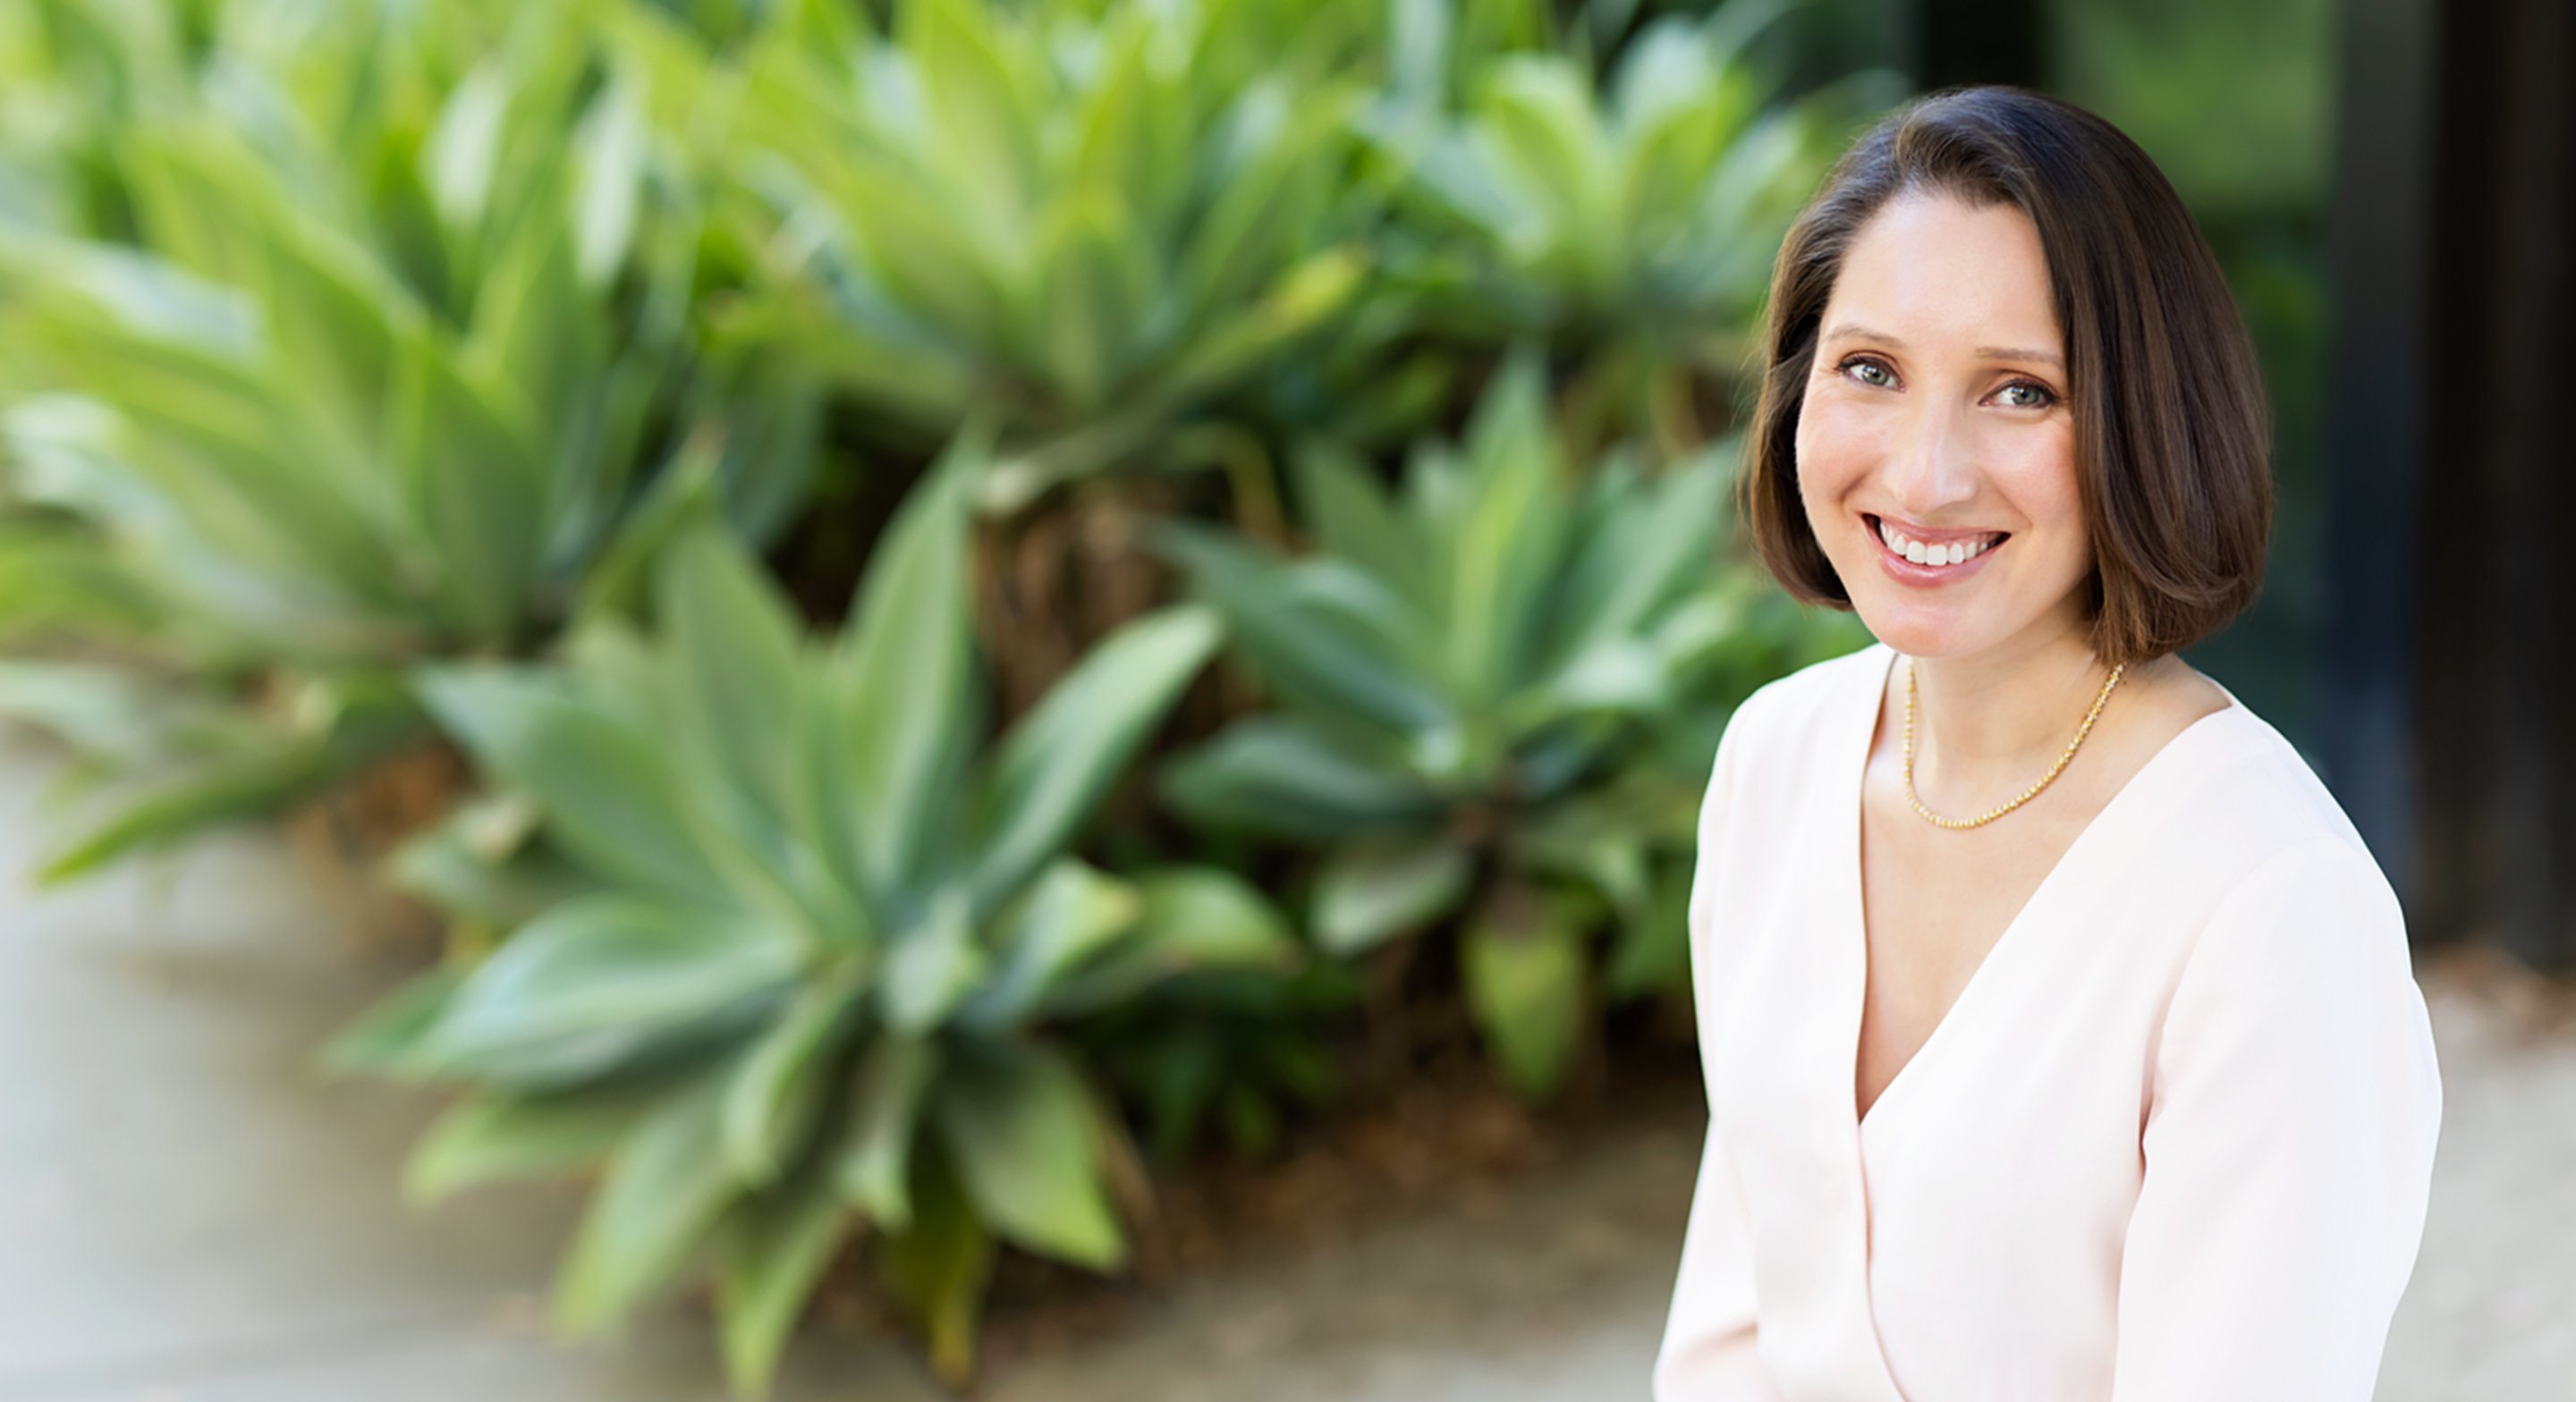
(1930, 464)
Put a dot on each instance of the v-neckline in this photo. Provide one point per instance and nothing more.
(1858, 907)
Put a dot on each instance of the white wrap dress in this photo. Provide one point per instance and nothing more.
(2172, 1143)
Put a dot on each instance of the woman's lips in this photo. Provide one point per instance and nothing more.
(1930, 576)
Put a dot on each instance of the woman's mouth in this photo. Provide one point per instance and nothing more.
(1924, 556)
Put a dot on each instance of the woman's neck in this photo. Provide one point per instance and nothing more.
(1984, 721)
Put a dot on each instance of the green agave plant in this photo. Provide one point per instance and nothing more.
(1102, 220)
(404, 325)
(368, 402)
(820, 941)
(1233, 1059)
(32, 119)
(1636, 220)
(1494, 695)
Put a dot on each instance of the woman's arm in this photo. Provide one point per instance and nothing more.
(1709, 1338)
(1708, 1346)
(2289, 1146)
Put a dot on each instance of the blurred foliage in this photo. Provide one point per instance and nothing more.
(1473, 679)
(800, 982)
(1091, 222)
(452, 372)
(389, 323)
(1634, 218)
(2176, 72)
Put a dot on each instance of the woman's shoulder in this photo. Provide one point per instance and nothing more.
(1784, 736)
(2256, 810)
(1800, 704)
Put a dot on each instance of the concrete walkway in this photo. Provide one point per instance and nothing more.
(187, 1214)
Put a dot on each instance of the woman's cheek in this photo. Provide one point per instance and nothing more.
(2042, 480)
(1834, 450)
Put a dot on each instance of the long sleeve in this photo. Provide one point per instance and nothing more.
(1709, 1339)
(2288, 1146)
(1707, 1354)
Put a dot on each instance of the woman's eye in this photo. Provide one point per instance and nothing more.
(1863, 370)
(2034, 396)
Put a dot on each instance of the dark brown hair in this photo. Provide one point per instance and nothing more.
(2173, 436)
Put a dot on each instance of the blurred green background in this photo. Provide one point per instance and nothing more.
(945, 605)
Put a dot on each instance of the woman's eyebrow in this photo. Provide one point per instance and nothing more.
(2018, 353)
(1851, 331)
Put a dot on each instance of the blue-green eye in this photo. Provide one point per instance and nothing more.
(1860, 363)
(2040, 395)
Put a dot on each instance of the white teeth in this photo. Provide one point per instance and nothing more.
(1952, 553)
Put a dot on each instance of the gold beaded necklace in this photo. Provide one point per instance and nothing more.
(2027, 794)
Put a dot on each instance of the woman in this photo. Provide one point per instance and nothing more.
(2059, 1033)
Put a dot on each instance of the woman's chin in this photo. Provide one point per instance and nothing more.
(1913, 642)
(1920, 632)
(1919, 627)
(1927, 630)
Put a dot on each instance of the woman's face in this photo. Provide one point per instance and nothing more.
(1936, 452)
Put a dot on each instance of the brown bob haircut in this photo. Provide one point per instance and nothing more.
(2173, 435)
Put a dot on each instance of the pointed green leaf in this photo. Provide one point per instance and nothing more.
(608, 790)
(608, 152)
(1305, 296)
(1594, 843)
(1287, 776)
(1020, 1127)
(984, 113)
(455, 865)
(938, 1267)
(901, 675)
(777, 1097)
(592, 984)
(1310, 645)
(327, 308)
(1192, 920)
(1114, 120)
(464, 151)
(1070, 912)
(681, 497)
(932, 965)
(1368, 892)
(245, 786)
(387, 1038)
(495, 1137)
(775, 1252)
(664, 1190)
(1353, 519)
(738, 675)
(537, 355)
(1667, 67)
(1056, 764)
(1543, 123)
(473, 484)
(1507, 535)
(1522, 962)
(932, 271)
(1648, 547)
(232, 465)
(1277, 183)
(874, 1165)
(1098, 283)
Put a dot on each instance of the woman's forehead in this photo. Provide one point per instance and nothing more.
(1931, 271)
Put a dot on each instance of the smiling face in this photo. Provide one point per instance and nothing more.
(1935, 446)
